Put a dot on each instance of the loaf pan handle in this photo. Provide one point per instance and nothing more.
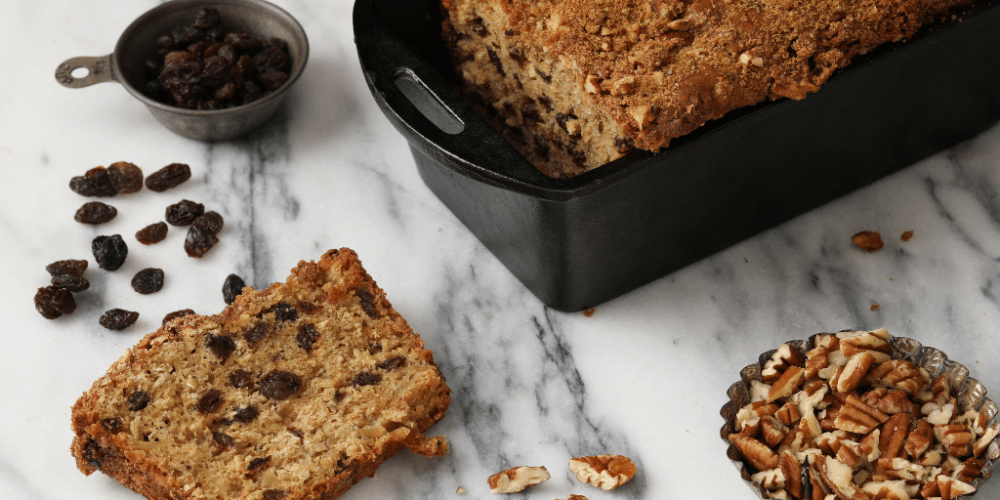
(386, 59)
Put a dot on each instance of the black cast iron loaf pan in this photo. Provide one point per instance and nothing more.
(578, 242)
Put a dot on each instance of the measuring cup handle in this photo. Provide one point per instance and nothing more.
(98, 71)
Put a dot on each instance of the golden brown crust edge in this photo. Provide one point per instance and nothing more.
(95, 448)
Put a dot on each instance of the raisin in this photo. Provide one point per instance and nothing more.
(221, 345)
(307, 336)
(258, 462)
(109, 251)
(197, 242)
(246, 415)
(125, 177)
(153, 233)
(243, 41)
(367, 302)
(113, 424)
(392, 363)
(139, 400)
(94, 182)
(168, 177)
(52, 302)
(209, 402)
(274, 494)
(177, 314)
(222, 441)
(272, 79)
(232, 288)
(71, 267)
(206, 18)
(279, 385)
(75, 284)
(241, 379)
(270, 58)
(147, 281)
(118, 319)
(366, 378)
(95, 212)
(257, 332)
(91, 452)
(184, 212)
(282, 312)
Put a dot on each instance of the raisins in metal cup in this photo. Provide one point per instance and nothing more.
(95, 212)
(209, 222)
(95, 182)
(118, 319)
(232, 288)
(208, 66)
(125, 177)
(72, 267)
(198, 242)
(184, 212)
(153, 233)
(149, 280)
(109, 251)
(75, 284)
(52, 302)
(168, 177)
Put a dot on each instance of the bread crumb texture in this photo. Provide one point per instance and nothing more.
(574, 84)
(293, 392)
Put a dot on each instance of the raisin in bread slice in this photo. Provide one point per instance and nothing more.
(294, 392)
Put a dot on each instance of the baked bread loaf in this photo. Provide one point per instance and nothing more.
(574, 84)
(294, 392)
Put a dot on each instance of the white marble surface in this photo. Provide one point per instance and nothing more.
(645, 376)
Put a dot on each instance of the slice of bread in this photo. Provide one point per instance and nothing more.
(295, 392)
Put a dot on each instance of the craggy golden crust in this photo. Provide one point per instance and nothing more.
(368, 388)
(649, 71)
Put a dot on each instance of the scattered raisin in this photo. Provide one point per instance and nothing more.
(241, 379)
(280, 385)
(257, 332)
(113, 424)
(307, 336)
(177, 314)
(282, 312)
(221, 345)
(93, 183)
(209, 402)
(153, 233)
(71, 267)
(206, 18)
(75, 284)
(149, 280)
(125, 177)
(198, 242)
(232, 288)
(138, 400)
(95, 212)
(274, 494)
(222, 441)
(392, 363)
(168, 177)
(52, 302)
(258, 462)
(367, 302)
(184, 212)
(366, 378)
(109, 251)
(118, 319)
(209, 222)
(246, 415)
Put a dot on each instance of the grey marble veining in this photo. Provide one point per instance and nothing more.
(644, 376)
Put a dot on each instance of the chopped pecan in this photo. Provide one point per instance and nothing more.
(957, 441)
(757, 453)
(792, 471)
(893, 436)
(919, 440)
(784, 357)
(772, 431)
(773, 479)
(875, 342)
(855, 371)
(603, 471)
(788, 414)
(787, 384)
(840, 479)
(517, 479)
(898, 373)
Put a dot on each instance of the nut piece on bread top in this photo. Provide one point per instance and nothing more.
(294, 392)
